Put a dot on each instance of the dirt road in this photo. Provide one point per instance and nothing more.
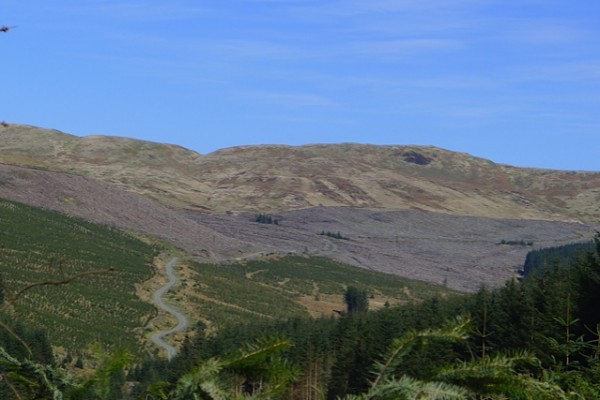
(182, 321)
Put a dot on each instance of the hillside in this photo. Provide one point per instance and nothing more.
(281, 178)
(46, 246)
(41, 246)
(279, 287)
(409, 243)
(103, 203)
(462, 252)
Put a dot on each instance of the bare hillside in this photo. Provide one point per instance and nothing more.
(107, 204)
(282, 178)
(460, 252)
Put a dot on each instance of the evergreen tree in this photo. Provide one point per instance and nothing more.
(509, 309)
(116, 383)
(480, 312)
(266, 219)
(356, 300)
(587, 280)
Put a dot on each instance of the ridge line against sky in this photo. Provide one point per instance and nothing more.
(516, 82)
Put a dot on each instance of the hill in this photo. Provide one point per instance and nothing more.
(462, 252)
(281, 178)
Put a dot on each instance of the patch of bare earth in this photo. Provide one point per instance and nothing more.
(323, 305)
(331, 305)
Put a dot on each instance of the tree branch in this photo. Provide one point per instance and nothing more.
(13, 299)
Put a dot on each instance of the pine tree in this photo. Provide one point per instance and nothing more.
(356, 300)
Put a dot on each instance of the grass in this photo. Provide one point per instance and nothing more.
(38, 245)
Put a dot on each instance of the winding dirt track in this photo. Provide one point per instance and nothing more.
(182, 321)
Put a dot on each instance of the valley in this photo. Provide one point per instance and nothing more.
(46, 246)
(300, 200)
(275, 240)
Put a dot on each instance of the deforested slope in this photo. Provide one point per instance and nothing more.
(109, 204)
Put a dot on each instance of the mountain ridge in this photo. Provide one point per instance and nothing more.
(276, 178)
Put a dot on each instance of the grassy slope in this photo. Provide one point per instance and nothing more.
(39, 245)
(293, 285)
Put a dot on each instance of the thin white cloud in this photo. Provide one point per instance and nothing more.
(475, 111)
(241, 48)
(393, 81)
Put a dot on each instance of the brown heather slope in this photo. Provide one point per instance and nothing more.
(396, 177)
(280, 178)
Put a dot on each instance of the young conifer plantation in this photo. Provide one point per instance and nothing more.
(534, 338)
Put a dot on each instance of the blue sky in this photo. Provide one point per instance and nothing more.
(515, 81)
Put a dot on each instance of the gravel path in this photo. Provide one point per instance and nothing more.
(182, 321)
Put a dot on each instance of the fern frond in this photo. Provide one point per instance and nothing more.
(98, 382)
